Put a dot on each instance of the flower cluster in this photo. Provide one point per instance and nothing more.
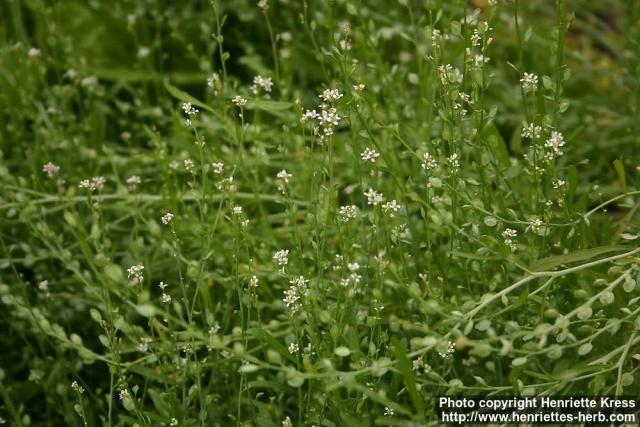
(529, 82)
(134, 273)
(261, 83)
(509, 234)
(448, 352)
(328, 118)
(554, 145)
(348, 213)
(374, 198)
(297, 290)
(283, 177)
(94, 184)
(50, 169)
(369, 155)
(166, 218)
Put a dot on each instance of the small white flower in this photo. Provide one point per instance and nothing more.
(331, 95)
(281, 257)
(509, 234)
(236, 210)
(348, 212)
(391, 207)
(374, 198)
(166, 218)
(174, 422)
(261, 83)
(428, 161)
(218, 167)
(448, 353)
(134, 273)
(531, 131)
(529, 82)
(359, 87)
(253, 281)
(95, 183)
(50, 169)
(454, 162)
(294, 348)
(388, 412)
(189, 165)
(263, 4)
(124, 393)
(369, 155)
(43, 285)
(133, 182)
(554, 145)
(188, 109)
(239, 101)
(558, 184)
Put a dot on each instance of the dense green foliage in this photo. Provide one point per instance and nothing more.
(314, 212)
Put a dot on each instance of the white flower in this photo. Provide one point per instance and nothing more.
(287, 422)
(236, 210)
(529, 82)
(428, 161)
(124, 393)
(558, 183)
(95, 183)
(188, 109)
(391, 207)
(353, 266)
(33, 52)
(294, 348)
(331, 95)
(388, 412)
(281, 257)
(374, 198)
(43, 285)
(283, 177)
(213, 80)
(454, 162)
(165, 298)
(369, 155)
(531, 131)
(189, 165)
(134, 273)
(239, 101)
(166, 218)
(133, 182)
(263, 4)
(309, 115)
(554, 144)
(509, 234)
(359, 87)
(348, 212)
(50, 169)
(260, 82)
(253, 282)
(218, 167)
(536, 225)
(174, 422)
(448, 353)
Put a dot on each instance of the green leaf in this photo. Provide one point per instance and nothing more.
(271, 342)
(548, 263)
(409, 379)
(185, 97)
(162, 406)
(270, 106)
(618, 164)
